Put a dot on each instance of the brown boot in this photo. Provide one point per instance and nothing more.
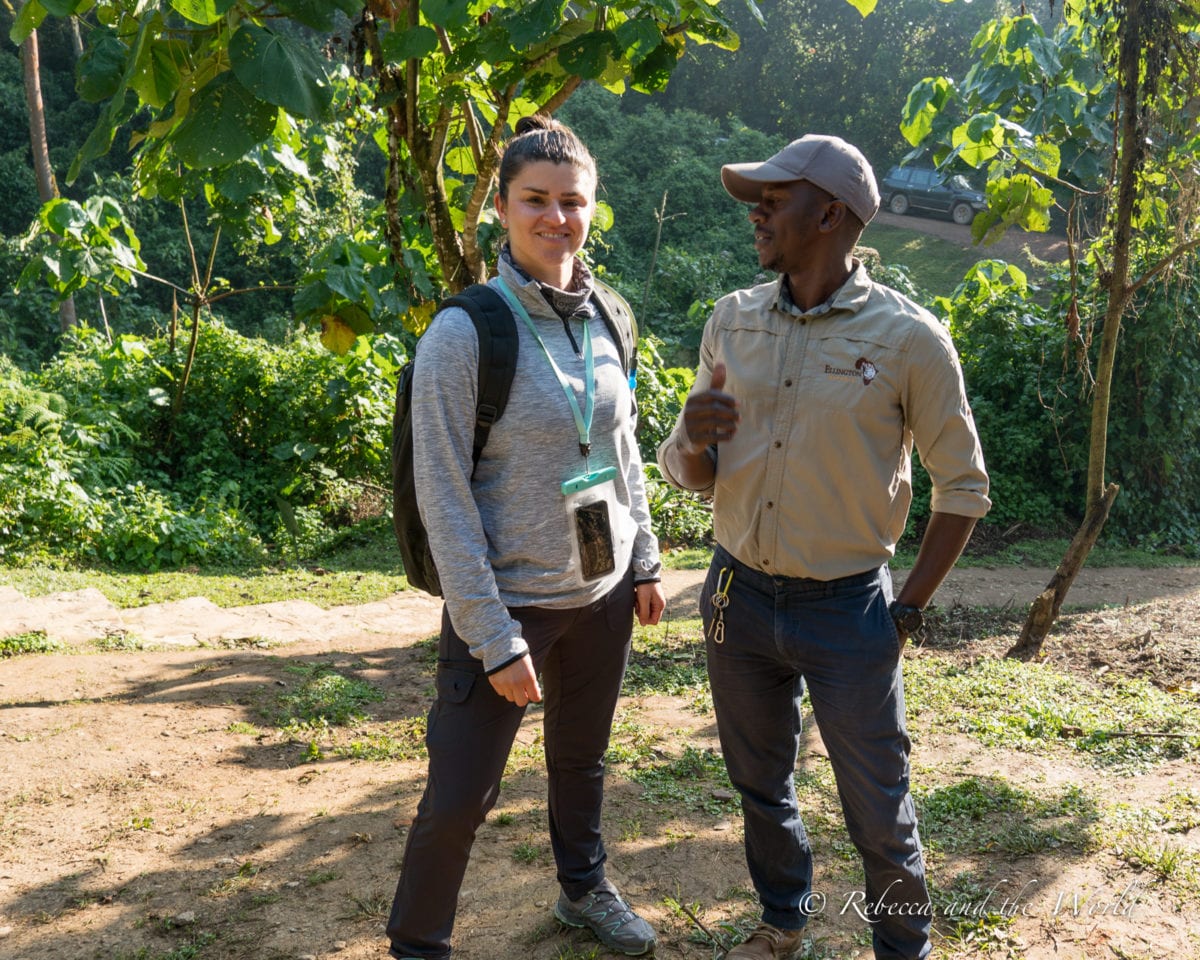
(768, 943)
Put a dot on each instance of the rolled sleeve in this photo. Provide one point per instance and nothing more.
(943, 427)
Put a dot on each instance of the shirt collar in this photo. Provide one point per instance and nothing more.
(851, 296)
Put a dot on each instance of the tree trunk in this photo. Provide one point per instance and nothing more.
(1100, 494)
(39, 147)
(1046, 607)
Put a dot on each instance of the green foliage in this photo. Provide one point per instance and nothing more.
(33, 641)
(323, 696)
(814, 66)
(696, 781)
(1154, 431)
(97, 465)
(679, 518)
(1011, 353)
(1055, 711)
(229, 98)
(1033, 110)
(706, 245)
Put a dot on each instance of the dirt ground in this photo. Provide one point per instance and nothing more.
(150, 812)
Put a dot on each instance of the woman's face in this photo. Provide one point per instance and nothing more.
(547, 214)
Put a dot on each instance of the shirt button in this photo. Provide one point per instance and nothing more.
(770, 504)
(778, 444)
(788, 382)
(766, 563)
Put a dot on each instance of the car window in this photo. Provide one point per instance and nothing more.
(921, 178)
(899, 174)
(959, 182)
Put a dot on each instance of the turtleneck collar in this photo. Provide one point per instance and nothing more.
(566, 303)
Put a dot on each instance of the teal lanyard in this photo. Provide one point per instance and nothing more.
(583, 421)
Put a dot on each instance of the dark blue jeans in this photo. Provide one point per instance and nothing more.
(837, 637)
(581, 656)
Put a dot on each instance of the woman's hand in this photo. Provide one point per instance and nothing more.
(517, 682)
(649, 603)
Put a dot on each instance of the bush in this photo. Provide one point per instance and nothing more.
(98, 462)
(1028, 426)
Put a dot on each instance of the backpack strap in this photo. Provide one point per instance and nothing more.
(622, 325)
(497, 333)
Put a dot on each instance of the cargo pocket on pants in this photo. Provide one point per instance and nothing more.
(454, 683)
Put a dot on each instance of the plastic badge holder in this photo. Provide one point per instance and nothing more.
(600, 527)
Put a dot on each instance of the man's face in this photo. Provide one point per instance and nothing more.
(787, 221)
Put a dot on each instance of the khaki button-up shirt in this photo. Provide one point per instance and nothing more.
(817, 481)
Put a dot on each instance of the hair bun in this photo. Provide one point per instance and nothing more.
(536, 121)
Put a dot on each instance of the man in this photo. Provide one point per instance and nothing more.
(811, 392)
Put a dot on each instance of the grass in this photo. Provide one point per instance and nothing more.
(398, 740)
(33, 641)
(988, 813)
(322, 697)
(696, 782)
(365, 567)
(936, 266)
(668, 659)
(1121, 722)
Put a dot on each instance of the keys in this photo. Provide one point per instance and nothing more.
(720, 600)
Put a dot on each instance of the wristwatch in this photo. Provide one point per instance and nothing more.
(908, 619)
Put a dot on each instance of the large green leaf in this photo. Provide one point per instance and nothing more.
(925, 101)
(320, 15)
(281, 71)
(979, 139)
(242, 181)
(224, 122)
(587, 56)
(202, 11)
(101, 67)
(453, 14)
(64, 8)
(157, 77)
(865, 7)
(654, 70)
(116, 112)
(412, 44)
(533, 22)
(28, 19)
(638, 39)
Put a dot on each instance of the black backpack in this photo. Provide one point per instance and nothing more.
(496, 329)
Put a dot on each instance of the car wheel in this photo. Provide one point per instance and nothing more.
(899, 204)
(962, 213)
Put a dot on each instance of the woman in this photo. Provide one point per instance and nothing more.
(538, 578)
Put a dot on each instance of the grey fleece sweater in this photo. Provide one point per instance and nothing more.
(502, 538)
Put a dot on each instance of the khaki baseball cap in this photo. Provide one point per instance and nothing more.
(837, 167)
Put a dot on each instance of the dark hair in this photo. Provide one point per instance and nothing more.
(539, 137)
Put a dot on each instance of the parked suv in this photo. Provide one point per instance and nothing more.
(926, 190)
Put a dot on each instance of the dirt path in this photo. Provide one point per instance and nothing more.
(151, 809)
(1011, 247)
(86, 615)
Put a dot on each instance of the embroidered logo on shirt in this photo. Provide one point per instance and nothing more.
(862, 368)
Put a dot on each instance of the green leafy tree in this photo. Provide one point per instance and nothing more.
(207, 86)
(1101, 110)
(39, 147)
(822, 67)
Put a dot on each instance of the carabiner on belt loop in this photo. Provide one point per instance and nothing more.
(720, 600)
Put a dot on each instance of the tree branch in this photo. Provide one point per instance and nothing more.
(485, 170)
(263, 287)
(1178, 253)
(562, 95)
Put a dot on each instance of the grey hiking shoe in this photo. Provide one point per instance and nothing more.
(610, 918)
